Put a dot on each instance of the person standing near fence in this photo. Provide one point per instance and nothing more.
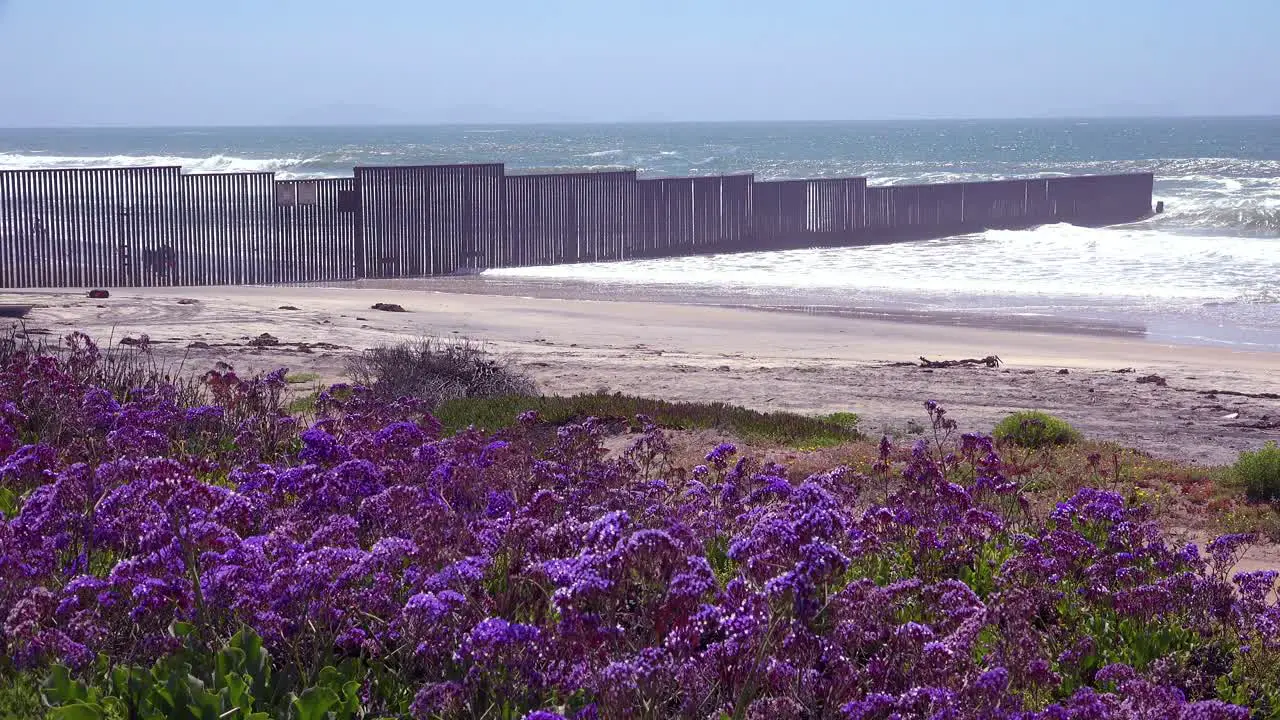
(38, 238)
(168, 262)
(39, 233)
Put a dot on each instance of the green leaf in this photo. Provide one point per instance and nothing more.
(257, 662)
(59, 688)
(176, 694)
(182, 629)
(78, 711)
(351, 689)
(349, 706)
(114, 707)
(130, 684)
(162, 699)
(314, 703)
(230, 661)
(120, 677)
(329, 677)
(9, 503)
(237, 694)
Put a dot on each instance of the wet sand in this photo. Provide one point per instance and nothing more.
(805, 361)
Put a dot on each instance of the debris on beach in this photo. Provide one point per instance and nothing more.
(188, 301)
(1237, 393)
(1265, 422)
(140, 341)
(1156, 380)
(1064, 371)
(991, 361)
(199, 345)
(286, 307)
(264, 340)
(388, 307)
(99, 294)
(308, 348)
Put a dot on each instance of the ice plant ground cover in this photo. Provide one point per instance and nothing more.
(162, 560)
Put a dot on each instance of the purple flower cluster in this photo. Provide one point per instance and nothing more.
(550, 578)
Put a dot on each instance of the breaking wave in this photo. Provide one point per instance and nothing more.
(1053, 260)
(1244, 218)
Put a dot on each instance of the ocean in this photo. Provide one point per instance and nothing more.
(1206, 271)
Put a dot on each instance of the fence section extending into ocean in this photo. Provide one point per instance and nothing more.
(122, 227)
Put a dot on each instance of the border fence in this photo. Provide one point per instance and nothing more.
(122, 227)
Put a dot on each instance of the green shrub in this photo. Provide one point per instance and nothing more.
(303, 405)
(237, 683)
(1035, 429)
(800, 431)
(1259, 472)
(846, 419)
(19, 696)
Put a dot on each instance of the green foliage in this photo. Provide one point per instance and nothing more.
(19, 696)
(304, 405)
(717, 554)
(1259, 472)
(1253, 681)
(1035, 429)
(981, 574)
(10, 502)
(846, 419)
(236, 683)
(492, 414)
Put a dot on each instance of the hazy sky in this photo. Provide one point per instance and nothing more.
(219, 62)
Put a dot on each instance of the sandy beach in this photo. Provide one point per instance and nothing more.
(765, 360)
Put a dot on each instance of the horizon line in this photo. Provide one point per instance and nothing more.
(563, 123)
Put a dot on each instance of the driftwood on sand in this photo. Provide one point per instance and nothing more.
(1237, 393)
(991, 361)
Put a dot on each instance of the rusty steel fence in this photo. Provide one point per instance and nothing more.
(122, 227)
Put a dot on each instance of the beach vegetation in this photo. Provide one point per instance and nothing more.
(226, 560)
(1259, 472)
(20, 697)
(1260, 520)
(847, 419)
(303, 406)
(620, 411)
(435, 370)
(1035, 429)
